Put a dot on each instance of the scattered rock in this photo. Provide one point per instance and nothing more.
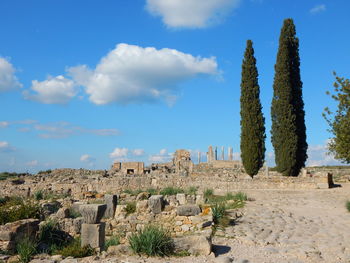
(92, 213)
(156, 203)
(188, 210)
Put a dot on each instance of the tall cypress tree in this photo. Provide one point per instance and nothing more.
(252, 119)
(287, 109)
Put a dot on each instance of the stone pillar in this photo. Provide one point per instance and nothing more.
(199, 157)
(230, 154)
(223, 153)
(216, 153)
(210, 154)
(111, 202)
(93, 231)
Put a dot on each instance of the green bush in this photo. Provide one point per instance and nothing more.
(51, 237)
(26, 248)
(39, 195)
(16, 209)
(152, 191)
(171, 191)
(6, 175)
(348, 205)
(219, 211)
(240, 196)
(75, 250)
(74, 213)
(208, 193)
(152, 241)
(130, 208)
(113, 241)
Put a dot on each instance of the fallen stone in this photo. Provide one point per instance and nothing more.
(93, 235)
(62, 213)
(92, 213)
(188, 210)
(156, 203)
(142, 196)
(194, 244)
(181, 198)
(142, 206)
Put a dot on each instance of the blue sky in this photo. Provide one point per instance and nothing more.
(84, 83)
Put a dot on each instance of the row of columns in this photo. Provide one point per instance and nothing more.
(212, 155)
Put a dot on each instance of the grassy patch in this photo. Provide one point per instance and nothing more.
(75, 250)
(192, 190)
(113, 241)
(208, 193)
(171, 191)
(26, 249)
(130, 208)
(6, 175)
(152, 241)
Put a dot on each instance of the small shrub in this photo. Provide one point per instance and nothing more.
(171, 191)
(26, 249)
(192, 190)
(208, 193)
(182, 253)
(51, 237)
(39, 195)
(16, 209)
(45, 172)
(152, 241)
(113, 241)
(240, 196)
(348, 205)
(152, 191)
(75, 250)
(6, 175)
(74, 213)
(130, 208)
(219, 211)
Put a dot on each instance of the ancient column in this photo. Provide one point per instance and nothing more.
(92, 230)
(199, 157)
(210, 154)
(223, 153)
(111, 202)
(216, 153)
(230, 154)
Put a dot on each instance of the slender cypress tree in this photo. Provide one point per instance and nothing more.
(287, 109)
(252, 119)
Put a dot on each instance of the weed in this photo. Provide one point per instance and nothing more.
(208, 193)
(39, 195)
(113, 241)
(15, 209)
(75, 250)
(192, 190)
(130, 208)
(171, 191)
(152, 191)
(182, 253)
(152, 241)
(26, 248)
(219, 211)
(348, 205)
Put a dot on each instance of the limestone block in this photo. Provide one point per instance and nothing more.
(111, 202)
(155, 203)
(188, 210)
(181, 198)
(142, 196)
(195, 244)
(11, 233)
(93, 235)
(142, 206)
(62, 213)
(92, 213)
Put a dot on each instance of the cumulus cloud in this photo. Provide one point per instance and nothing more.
(8, 80)
(162, 157)
(5, 147)
(318, 9)
(119, 153)
(86, 158)
(54, 90)
(319, 156)
(138, 152)
(191, 13)
(32, 163)
(133, 74)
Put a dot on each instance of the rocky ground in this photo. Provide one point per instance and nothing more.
(307, 226)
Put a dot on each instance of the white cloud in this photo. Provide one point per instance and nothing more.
(5, 147)
(4, 124)
(162, 157)
(54, 90)
(8, 80)
(133, 74)
(86, 158)
(32, 163)
(119, 153)
(138, 152)
(318, 9)
(191, 13)
(319, 156)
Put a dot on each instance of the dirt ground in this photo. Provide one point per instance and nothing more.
(294, 226)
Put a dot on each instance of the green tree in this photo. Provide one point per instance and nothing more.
(339, 122)
(288, 133)
(252, 119)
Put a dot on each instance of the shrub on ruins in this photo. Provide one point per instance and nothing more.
(339, 121)
(192, 190)
(39, 195)
(208, 193)
(152, 241)
(75, 250)
(112, 241)
(26, 249)
(51, 237)
(130, 208)
(288, 133)
(15, 209)
(348, 205)
(252, 119)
